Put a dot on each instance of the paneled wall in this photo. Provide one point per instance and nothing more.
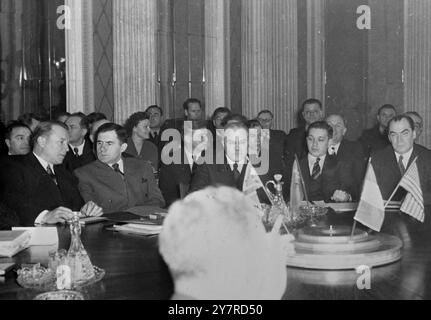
(418, 62)
(269, 59)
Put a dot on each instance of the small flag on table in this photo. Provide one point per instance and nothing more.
(413, 203)
(296, 190)
(251, 184)
(371, 209)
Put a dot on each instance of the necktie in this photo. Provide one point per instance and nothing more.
(316, 170)
(116, 168)
(401, 165)
(236, 173)
(51, 174)
(76, 151)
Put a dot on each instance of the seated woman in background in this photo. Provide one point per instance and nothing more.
(138, 145)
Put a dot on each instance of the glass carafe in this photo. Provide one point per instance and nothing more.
(82, 269)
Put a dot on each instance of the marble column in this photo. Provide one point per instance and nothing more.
(417, 63)
(135, 56)
(79, 57)
(269, 59)
(216, 55)
(316, 78)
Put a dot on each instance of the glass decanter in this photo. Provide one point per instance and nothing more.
(82, 269)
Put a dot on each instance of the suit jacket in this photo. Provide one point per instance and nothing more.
(149, 152)
(29, 190)
(72, 162)
(388, 174)
(352, 152)
(8, 218)
(296, 144)
(372, 140)
(336, 175)
(98, 182)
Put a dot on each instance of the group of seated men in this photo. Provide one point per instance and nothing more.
(87, 164)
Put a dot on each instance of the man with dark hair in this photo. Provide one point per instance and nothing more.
(325, 177)
(192, 109)
(391, 163)
(155, 113)
(295, 144)
(93, 117)
(17, 138)
(80, 147)
(217, 119)
(114, 182)
(376, 138)
(62, 116)
(31, 120)
(38, 188)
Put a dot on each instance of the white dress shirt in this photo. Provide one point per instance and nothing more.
(334, 149)
(406, 157)
(312, 161)
(80, 148)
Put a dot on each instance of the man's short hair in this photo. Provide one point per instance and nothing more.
(321, 125)
(59, 114)
(83, 122)
(28, 117)
(400, 117)
(386, 106)
(253, 124)
(14, 125)
(198, 230)
(154, 107)
(190, 101)
(337, 115)
(236, 126)
(220, 110)
(107, 127)
(94, 117)
(235, 117)
(44, 129)
(311, 101)
(134, 120)
(266, 111)
(414, 113)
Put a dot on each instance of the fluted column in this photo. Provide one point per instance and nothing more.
(270, 58)
(417, 63)
(315, 50)
(135, 78)
(79, 57)
(216, 62)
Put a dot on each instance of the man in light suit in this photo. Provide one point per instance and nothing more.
(116, 183)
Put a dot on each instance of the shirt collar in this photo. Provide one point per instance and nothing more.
(80, 148)
(406, 156)
(120, 165)
(231, 163)
(44, 163)
(335, 146)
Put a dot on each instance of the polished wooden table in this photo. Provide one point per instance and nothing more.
(134, 269)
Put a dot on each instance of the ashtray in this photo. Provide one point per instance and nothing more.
(313, 210)
(39, 278)
(60, 295)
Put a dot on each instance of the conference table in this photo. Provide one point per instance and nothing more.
(135, 270)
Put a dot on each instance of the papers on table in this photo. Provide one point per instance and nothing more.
(141, 229)
(41, 236)
(12, 242)
(343, 206)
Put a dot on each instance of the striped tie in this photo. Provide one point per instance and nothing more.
(51, 174)
(316, 170)
(401, 165)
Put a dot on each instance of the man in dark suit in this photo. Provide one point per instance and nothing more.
(392, 162)
(376, 138)
(325, 177)
(155, 114)
(175, 177)
(232, 171)
(116, 183)
(37, 187)
(345, 150)
(80, 148)
(295, 144)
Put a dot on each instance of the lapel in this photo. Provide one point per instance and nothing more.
(305, 170)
